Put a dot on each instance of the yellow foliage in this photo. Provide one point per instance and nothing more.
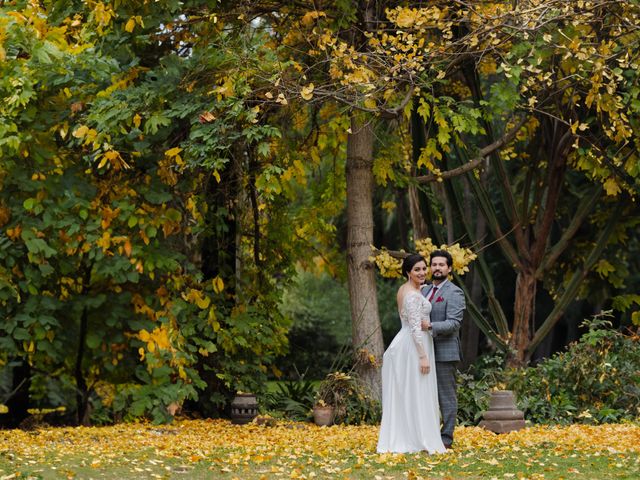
(389, 266)
(158, 339)
(104, 242)
(122, 81)
(288, 450)
(89, 134)
(108, 214)
(310, 17)
(611, 186)
(198, 298)
(103, 14)
(370, 103)
(307, 92)
(132, 22)
(227, 89)
(141, 307)
(173, 152)
(14, 233)
(166, 173)
(461, 256)
(218, 285)
(389, 206)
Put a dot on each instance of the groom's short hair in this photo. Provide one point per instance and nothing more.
(441, 253)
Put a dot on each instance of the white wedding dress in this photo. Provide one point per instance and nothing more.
(410, 411)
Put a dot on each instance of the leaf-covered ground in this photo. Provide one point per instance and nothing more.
(218, 449)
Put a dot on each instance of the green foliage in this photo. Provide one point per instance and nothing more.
(318, 301)
(594, 381)
(155, 194)
(474, 388)
(104, 165)
(318, 306)
(292, 399)
(353, 403)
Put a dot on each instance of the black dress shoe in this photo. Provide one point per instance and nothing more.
(448, 446)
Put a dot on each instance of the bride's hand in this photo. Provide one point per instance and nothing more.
(424, 365)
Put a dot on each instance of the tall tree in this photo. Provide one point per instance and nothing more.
(366, 332)
(563, 78)
(106, 153)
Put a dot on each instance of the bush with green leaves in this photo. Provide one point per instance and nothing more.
(110, 185)
(474, 388)
(596, 380)
(291, 399)
(353, 403)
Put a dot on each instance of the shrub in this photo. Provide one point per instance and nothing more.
(292, 399)
(596, 380)
(474, 387)
(353, 403)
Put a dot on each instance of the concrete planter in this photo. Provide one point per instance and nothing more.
(323, 415)
(503, 416)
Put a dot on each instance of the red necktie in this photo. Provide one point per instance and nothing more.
(433, 292)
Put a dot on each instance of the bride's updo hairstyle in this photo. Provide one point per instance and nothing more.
(409, 261)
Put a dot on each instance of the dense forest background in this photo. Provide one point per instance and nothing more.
(201, 196)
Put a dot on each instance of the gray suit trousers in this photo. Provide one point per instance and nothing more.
(448, 399)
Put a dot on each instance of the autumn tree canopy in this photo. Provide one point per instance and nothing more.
(165, 167)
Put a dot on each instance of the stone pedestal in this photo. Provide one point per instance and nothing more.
(503, 415)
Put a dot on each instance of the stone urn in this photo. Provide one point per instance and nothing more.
(323, 415)
(503, 416)
(244, 408)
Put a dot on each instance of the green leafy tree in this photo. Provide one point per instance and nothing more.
(562, 80)
(118, 166)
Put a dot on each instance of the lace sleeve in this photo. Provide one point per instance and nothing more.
(413, 309)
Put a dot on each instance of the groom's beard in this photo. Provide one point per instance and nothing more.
(438, 276)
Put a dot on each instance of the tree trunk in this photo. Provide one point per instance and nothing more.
(18, 401)
(401, 219)
(420, 229)
(470, 333)
(418, 141)
(82, 391)
(219, 242)
(366, 333)
(523, 318)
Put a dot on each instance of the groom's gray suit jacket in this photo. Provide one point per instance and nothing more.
(447, 308)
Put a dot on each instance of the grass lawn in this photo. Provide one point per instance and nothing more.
(203, 449)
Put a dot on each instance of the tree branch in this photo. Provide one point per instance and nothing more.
(472, 164)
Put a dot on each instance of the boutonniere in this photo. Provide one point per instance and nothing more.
(439, 299)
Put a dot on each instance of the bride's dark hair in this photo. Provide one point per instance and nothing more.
(409, 261)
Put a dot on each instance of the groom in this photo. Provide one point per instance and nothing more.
(447, 302)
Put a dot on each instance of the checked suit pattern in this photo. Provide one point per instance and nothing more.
(447, 309)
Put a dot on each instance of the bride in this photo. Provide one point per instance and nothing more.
(410, 412)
